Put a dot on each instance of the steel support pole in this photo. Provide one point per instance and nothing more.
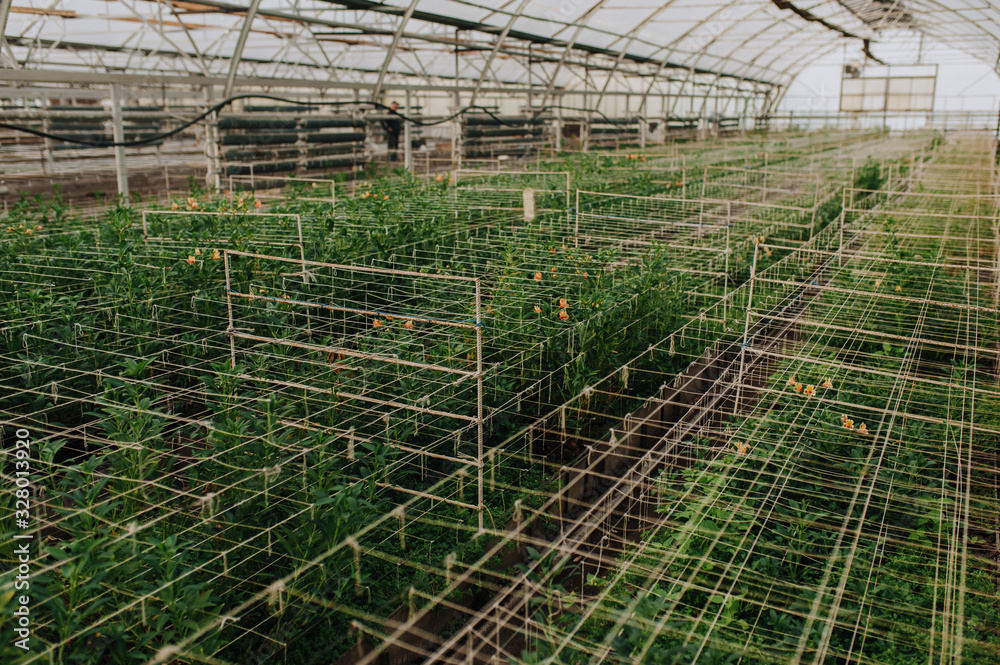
(407, 141)
(118, 133)
(241, 42)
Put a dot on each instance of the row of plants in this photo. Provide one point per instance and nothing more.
(839, 519)
(185, 472)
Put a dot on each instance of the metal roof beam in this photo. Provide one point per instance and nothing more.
(391, 52)
(234, 63)
(463, 24)
(496, 48)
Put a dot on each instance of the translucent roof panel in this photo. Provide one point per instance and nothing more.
(738, 41)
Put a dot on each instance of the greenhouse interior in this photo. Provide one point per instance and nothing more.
(403, 332)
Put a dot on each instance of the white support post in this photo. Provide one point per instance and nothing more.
(407, 140)
(456, 130)
(48, 162)
(479, 400)
(211, 144)
(118, 133)
(558, 126)
(746, 329)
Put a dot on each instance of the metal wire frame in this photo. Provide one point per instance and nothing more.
(294, 454)
(805, 353)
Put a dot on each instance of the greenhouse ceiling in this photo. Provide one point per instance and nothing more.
(550, 45)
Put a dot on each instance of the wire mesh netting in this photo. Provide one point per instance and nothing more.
(256, 434)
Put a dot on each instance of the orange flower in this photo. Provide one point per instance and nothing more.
(791, 381)
(564, 315)
(38, 227)
(878, 283)
(197, 252)
(563, 303)
(174, 206)
(191, 260)
(809, 391)
(898, 288)
(553, 270)
(827, 383)
(257, 203)
(797, 387)
(215, 255)
(552, 251)
(385, 198)
(741, 447)
(439, 177)
(192, 203)
(377, 324)
(28, 231)
(538, 276)
(538, 310)
(862, 429)
(408, 325)
(10, 229)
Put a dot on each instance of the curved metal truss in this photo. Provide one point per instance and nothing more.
(641, 47)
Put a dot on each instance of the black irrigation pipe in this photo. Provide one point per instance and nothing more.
(226, 102)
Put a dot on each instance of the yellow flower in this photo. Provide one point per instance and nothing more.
(827, 383)
(791, 381)
(797, 387)
(898, 288)
(809, 391)
(878, 283)
(862, 429)
(741, 447)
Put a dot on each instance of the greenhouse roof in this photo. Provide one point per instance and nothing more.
(547, 44)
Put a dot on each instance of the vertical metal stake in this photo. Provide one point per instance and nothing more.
(118, 132)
